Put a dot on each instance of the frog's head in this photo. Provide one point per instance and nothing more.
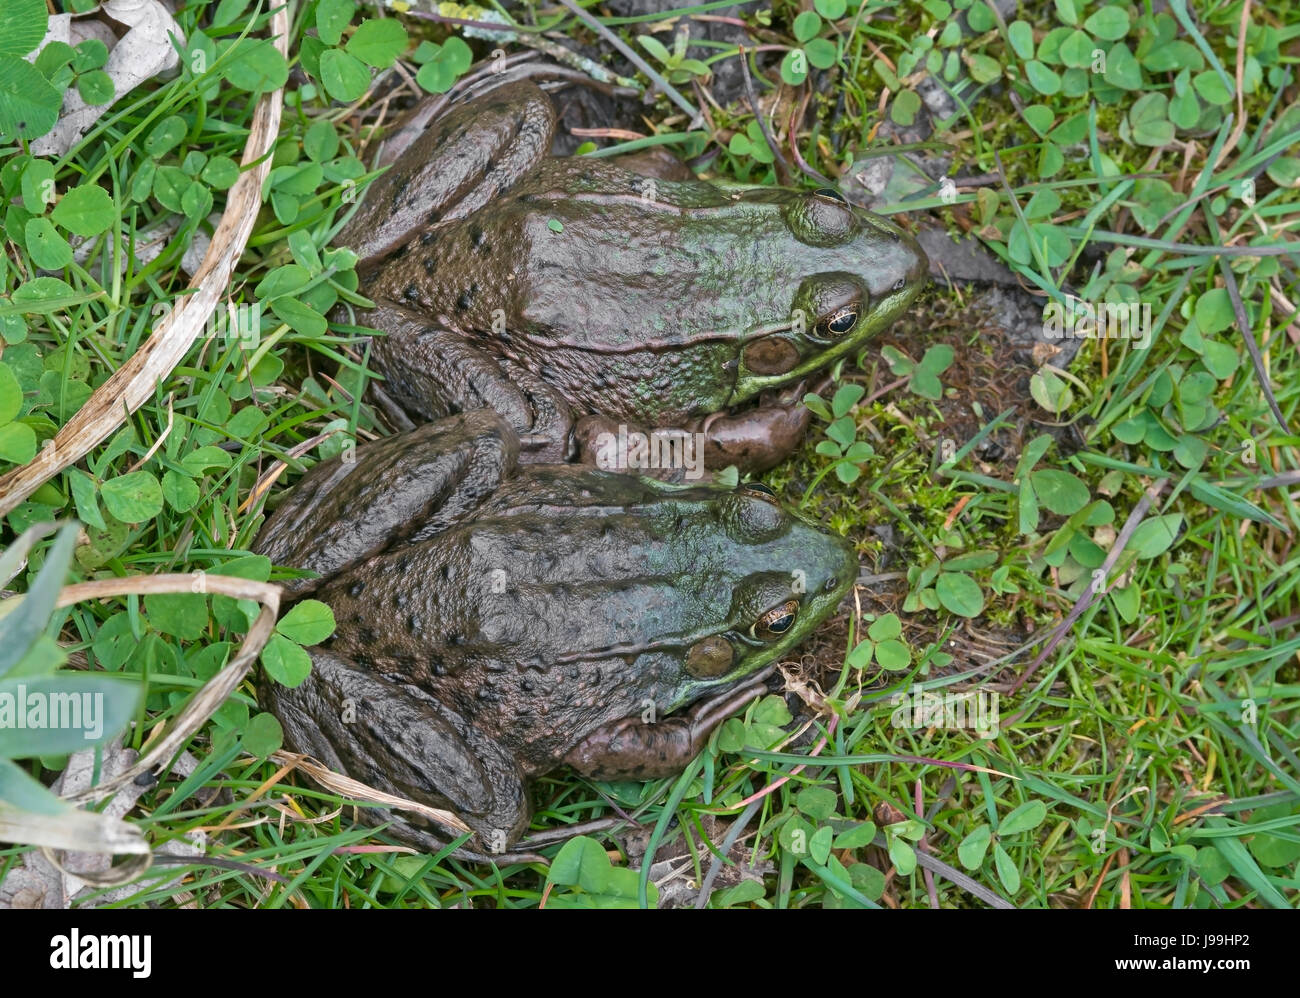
(856, 272)
(631, 584)
(692, 587)
(773, 578)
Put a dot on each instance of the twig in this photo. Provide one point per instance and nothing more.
(213, 693)
(1252, 348)
(796, 118)
(782, 166)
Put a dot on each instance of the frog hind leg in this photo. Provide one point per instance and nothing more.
(633, 749)
(458, 163)
(398, 739)
(431, 371)
(550, 436)
(402, 487)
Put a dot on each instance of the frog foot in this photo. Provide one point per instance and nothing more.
(433, 372)
(398, 488)
(635, 749)
(756, 439)
(668, 454)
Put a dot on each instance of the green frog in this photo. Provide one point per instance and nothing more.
(496, 621)
(577, 297)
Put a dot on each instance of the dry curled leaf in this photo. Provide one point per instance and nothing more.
(146, 50)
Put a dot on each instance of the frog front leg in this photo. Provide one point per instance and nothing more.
(753, 440)
(431, 372)
(396, 738)
(637, 749)
(404, 487)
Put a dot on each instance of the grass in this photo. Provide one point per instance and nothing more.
(1147, 761)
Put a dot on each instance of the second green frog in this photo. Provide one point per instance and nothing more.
(575, 296)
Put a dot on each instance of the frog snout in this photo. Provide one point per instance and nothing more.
(843, 573)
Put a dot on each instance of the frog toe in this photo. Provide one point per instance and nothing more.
(636, 749)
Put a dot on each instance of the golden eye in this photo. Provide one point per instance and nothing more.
(759, 491)
(838, 322)
(776, 621)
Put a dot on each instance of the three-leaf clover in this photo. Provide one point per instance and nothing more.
(375, 44)
(17, 439)
(813, 50)
(841, 444)
(751, 143)
(442, 65)
(83, 211)
(923, 377)
(948, 585)
(973, 848)
(583, 866)
(308, 623)
(762, 727)
(899, 838)
(1061, 492)
(678, 68)
(29, 104)
(883, 643)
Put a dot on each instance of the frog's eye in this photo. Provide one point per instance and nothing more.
(899, 284)
(759, 490)
(830, 194)
(834, 305)
(776, 621)
(838, 322)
